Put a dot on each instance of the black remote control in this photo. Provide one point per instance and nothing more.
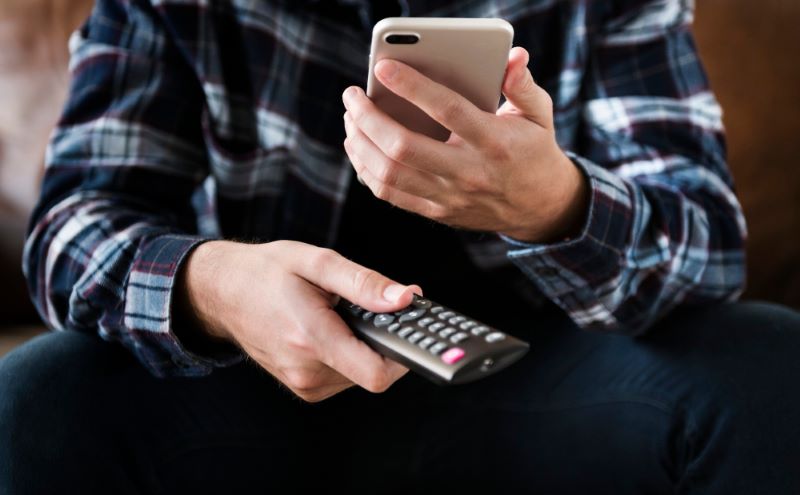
(434, 341)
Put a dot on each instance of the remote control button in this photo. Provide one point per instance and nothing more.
(495, 337)
(406, 331)
(383, 320)
(412, 315)
(401, 312)
(425, 321)
(438, 347)
(446, 315)
(416, 337)
(421, 302)
(447, 332)
(458, 337)
(367, 315)
(480, 330)
(467, 325)
(354, 309)
(426, 342)
(437, 309)
(436, 327)
(393, 327)
(453, 355)
(456, 320)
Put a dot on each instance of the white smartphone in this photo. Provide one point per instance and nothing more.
(467, 55)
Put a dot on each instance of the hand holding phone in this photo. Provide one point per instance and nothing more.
(496, 171)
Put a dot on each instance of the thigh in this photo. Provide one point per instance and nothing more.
(581, 413)
(80, 412)
(702, 404)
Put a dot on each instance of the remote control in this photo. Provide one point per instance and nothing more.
(434, 341)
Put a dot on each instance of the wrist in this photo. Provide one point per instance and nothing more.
(202, 304)
(563, 213)
(574, 201)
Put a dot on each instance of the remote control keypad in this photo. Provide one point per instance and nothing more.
(438, 337)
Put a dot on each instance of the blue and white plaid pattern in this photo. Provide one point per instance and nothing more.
(189, 120)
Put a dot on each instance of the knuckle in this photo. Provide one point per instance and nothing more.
(457, 206)
(381, 190)
(436, 211)
(378, 382)
(388, 174)
(528, 83)
(365, 280)
(299, 340)
(302, 382)
(323, 258)
(546, 98)
(447, 110)
(401, 149)
(474, 183)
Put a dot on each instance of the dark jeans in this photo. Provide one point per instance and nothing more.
(707, 403)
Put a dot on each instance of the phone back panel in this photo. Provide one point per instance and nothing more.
(467, 55)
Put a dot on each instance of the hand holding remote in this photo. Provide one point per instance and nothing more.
(276, 301)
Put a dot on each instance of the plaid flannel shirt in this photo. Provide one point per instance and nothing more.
(196, 119)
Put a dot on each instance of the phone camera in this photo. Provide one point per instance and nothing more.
(402, 39)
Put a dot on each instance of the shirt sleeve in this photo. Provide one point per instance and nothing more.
(664, 227)
(114, 220)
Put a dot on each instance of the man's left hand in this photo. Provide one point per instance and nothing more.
(500, 172)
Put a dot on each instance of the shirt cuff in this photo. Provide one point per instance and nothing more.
(148, 311)
(569, 272)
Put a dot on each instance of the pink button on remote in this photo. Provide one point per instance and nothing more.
(453, 355)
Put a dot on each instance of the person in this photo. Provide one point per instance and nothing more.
(201, 213)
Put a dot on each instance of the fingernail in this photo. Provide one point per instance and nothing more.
(393, 292)
(348, 94)
(386, 69)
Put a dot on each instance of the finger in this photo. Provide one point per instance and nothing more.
(354, 359)
(523, 93)
(328, 392)
(396, 141)
(363, 151)
(325, 383)
(334, 273)
(442, 104)
(409, 202)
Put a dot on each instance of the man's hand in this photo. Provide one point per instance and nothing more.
(275, 301)
(500, 172)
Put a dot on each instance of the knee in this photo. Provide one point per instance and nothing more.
(729, 366)
(46, 388)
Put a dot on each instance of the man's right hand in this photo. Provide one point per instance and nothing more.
(276, 300)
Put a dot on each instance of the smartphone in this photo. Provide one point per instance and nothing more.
(467, 55)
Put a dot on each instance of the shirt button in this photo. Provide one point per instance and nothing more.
(546, 271)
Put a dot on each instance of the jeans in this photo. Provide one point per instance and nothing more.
(705, 403)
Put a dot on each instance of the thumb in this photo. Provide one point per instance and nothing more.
(525, 96)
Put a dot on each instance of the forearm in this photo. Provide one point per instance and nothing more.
(95, 265)
(645, 248)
